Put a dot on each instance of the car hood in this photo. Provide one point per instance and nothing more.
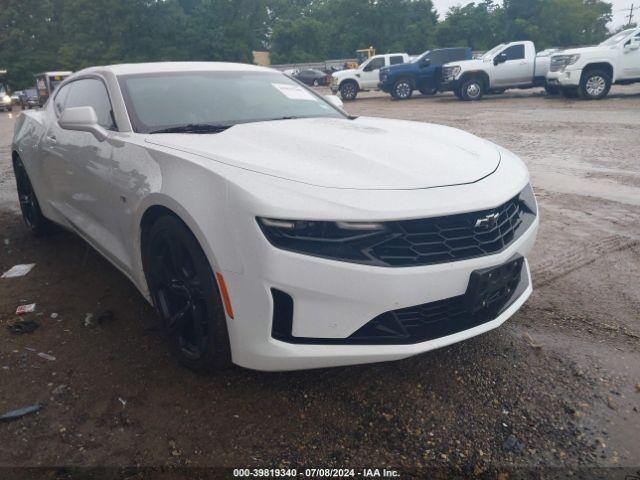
(596, 50)
(400, 67)
(365, 153)
(469, 64)
(344, 73)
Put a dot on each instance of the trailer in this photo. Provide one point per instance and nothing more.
(47, 82)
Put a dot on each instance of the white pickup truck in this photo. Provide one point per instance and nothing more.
(508, 65)
(365, 77)
(589, 72)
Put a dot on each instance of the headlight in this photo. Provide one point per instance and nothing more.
(450, 73)
(6, 98)
(336, 240)
(565, 60)
(573, 59)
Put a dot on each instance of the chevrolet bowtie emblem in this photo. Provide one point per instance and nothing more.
(489, 222)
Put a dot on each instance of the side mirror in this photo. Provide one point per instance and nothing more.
(634, 44)
(501, 58)
(82, 119)
(425, 63)
(334, 100)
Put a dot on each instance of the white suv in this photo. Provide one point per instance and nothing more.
(365, 77)
(589, 72)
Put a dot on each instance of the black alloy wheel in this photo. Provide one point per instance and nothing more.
(402, 90)
(29, 206)
(186, 296)
(349, 90)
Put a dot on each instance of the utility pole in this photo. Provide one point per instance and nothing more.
(630, 16)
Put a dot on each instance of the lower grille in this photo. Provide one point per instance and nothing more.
(420, 323)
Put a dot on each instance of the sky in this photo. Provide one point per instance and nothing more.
(618, 16)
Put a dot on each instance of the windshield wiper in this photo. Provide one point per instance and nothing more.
(194, 128)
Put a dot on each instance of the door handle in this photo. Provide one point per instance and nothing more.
(52, 139)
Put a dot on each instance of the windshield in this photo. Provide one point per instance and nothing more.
(158, 101)
(421, 56)
(490, 53)
(617, 37)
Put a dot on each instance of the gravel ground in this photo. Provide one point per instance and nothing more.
(558, 386)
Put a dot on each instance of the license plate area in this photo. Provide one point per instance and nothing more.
(491, 288)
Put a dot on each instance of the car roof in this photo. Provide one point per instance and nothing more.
(54, 74)
(168, 67)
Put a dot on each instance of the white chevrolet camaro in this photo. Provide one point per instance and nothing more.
(267, 226)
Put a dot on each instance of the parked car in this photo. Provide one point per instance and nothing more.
(310, 76)
(510, 65)
(365, 77)
(424, 73)
(47, 82)
(15, 97)
(29, 99)
(267, 225)
(589, 72)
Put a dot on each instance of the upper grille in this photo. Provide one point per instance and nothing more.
(408, 243)
(455, 237)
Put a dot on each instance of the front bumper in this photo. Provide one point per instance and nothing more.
(565, 78)
(449, 86)
(334, 299)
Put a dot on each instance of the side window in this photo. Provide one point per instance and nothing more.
(514, 52)
(374, 64)
(60, 98)
(456, 55)
(91, 92)
(438, 57)
(396, 59)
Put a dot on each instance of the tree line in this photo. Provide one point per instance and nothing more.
(40, 35)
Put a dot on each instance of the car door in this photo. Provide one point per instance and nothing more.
(370, 73)
(84, 165)
(631, 58)
(428, 69)
(515, 70)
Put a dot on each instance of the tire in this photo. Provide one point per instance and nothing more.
(185, 294)
(36, 222)
(551, 89)
(348, 90)
(472, 89)
(402, 89)
(569, 92)
(594, 84)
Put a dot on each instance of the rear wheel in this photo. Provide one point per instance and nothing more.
(594, 85)
(349, 90)
(185, 294)
(31, 213)
(472, 89)
(402, 89)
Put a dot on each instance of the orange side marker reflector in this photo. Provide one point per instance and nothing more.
(225, 295)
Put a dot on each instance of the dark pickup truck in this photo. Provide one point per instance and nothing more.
(424, 73)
